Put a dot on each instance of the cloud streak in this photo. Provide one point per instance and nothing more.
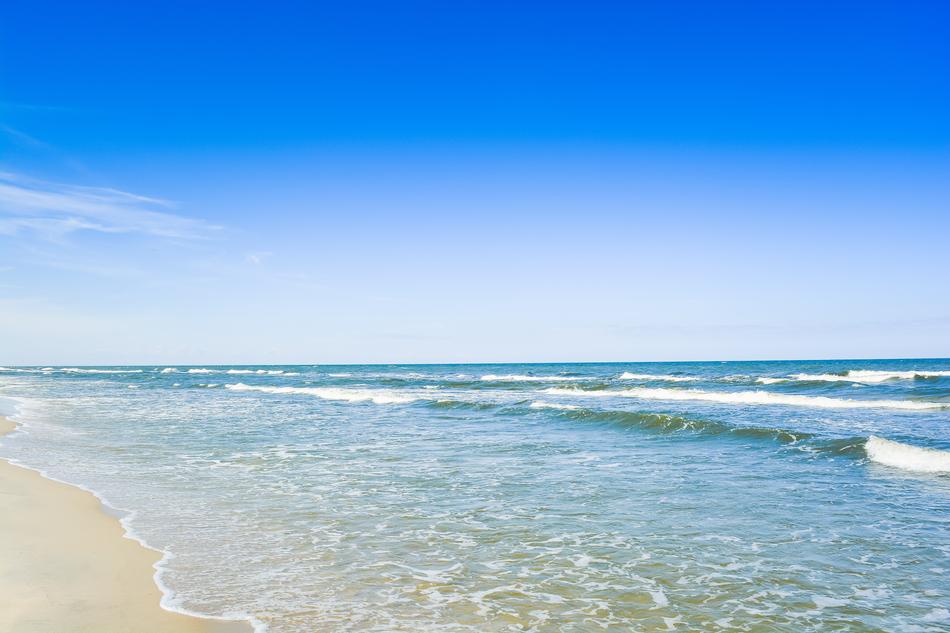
(54, 210)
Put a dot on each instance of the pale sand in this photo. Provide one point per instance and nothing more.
(65, 566)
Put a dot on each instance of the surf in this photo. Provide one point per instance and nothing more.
(751, 398)
(630, 376)
(332, 393)
(907, 456)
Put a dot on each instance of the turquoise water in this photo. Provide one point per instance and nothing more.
(766, 496)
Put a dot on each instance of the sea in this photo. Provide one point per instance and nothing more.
(790, 496)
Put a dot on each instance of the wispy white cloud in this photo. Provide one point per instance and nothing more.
(22, 138)
(54, 210)
(257, 258)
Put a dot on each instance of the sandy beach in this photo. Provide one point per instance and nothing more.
(65, 566)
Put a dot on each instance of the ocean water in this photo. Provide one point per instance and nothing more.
(760, 496)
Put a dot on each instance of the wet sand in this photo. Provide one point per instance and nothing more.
(66, 567)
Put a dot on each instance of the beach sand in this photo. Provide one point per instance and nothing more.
(65, 566)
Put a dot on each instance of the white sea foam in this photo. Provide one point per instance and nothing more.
(169, 370)
(871, 375)
(907, 456)
(523, 378)
(937, 614)
(553, 405)
(334, 393)
(752, 397)
(263, 372)
(628, 376)
(765, 380)
(659, 598)
(827, 602)
(82, 370)
(199, 371)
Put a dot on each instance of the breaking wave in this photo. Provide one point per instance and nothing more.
(876, 449)
(666, 423)
(523, 378)
(907, 456)
(629, 376)
(333, 393)
(869, 376)
(83, 370)
(752, 397)
(553, 405)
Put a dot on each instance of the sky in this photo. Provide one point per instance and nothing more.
(370, 182)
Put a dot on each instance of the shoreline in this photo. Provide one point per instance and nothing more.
(68, 565)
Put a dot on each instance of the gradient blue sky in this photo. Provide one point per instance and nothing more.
(427, 182)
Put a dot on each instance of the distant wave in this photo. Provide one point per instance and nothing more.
(752, 397)
(73, 370)
(82, 370)
(906, 456)
(553, 405)
(628, 376)
(462, 404)
(168, 370)
(665, 423)
(865, 376)
(522, 378)
(876, 449)
(258, 372)
(333, 393)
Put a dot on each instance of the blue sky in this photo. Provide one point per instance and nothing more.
(427, 182)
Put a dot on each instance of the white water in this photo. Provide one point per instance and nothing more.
(523, 378)
(752, 397)
(629, 376)
(869, 376)
(334, 393)
(906, 456)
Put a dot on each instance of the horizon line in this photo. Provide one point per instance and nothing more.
(383, 364)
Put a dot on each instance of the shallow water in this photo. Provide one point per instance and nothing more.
(779, 496)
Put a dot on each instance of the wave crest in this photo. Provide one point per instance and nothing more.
(870, 375)
(83, 370)
(523, 378)
(907, 456)
(752, 397)
(629, 376)
(333, 393)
